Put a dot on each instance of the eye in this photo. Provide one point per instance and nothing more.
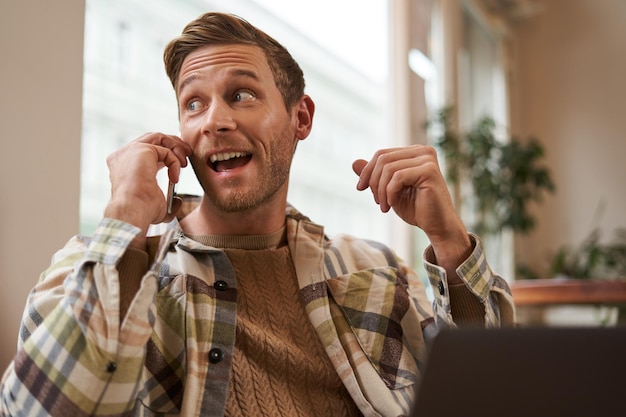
(194, 105)
(244, 95)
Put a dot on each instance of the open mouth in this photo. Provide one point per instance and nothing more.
(225, 161)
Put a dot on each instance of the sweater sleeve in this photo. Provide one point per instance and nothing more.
(131, 268)
(466, 309)
(77, 355)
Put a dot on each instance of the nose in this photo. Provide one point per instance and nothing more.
(218, 118)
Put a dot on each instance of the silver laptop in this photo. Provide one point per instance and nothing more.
(530, 372)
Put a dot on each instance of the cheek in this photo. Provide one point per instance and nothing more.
(189, 133)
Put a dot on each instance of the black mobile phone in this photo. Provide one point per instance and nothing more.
(171, 191)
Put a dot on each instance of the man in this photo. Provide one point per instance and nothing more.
(245, 307)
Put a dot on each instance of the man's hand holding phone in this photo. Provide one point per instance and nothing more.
(136, 196)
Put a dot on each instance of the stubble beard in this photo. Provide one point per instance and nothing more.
(270, 182)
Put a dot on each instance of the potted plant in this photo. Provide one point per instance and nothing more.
(503, 176)
(592, 258)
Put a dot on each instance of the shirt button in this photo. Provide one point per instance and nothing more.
(220, 285)
(216, 355)
(442, 289)
(111, 367)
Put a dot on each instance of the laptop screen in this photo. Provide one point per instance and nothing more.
(525, 372)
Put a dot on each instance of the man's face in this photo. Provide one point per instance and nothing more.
(234, 118)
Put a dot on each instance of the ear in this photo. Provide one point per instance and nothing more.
(304, 110)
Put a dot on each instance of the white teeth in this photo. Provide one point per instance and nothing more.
(224, 156)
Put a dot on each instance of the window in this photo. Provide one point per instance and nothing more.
(467, 48)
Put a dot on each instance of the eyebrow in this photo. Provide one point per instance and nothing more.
(235, 72)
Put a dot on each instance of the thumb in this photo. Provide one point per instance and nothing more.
(358, 165)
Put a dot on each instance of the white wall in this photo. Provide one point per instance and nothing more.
(569, 89)
(40, 128)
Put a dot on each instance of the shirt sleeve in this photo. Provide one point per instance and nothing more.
(490, 289)
(75, 356)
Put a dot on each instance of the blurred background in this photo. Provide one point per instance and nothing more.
(81, 78)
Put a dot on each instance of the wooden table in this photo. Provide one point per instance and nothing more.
(533, 296)
(568, 291)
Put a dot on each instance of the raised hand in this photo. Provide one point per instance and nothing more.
(409, 181)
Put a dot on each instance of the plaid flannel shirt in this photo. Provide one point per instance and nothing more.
(172, 352)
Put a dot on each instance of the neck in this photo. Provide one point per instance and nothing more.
(206, 219)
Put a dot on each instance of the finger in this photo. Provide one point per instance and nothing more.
(180, 148)
(407, 178)
(167, 158)
(358, 165)
(359, 168)
(389, 173)
(381, 170)
(369, 172)
(363, 169)
(402, 174)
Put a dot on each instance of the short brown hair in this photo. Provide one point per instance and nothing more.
(222, 29)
